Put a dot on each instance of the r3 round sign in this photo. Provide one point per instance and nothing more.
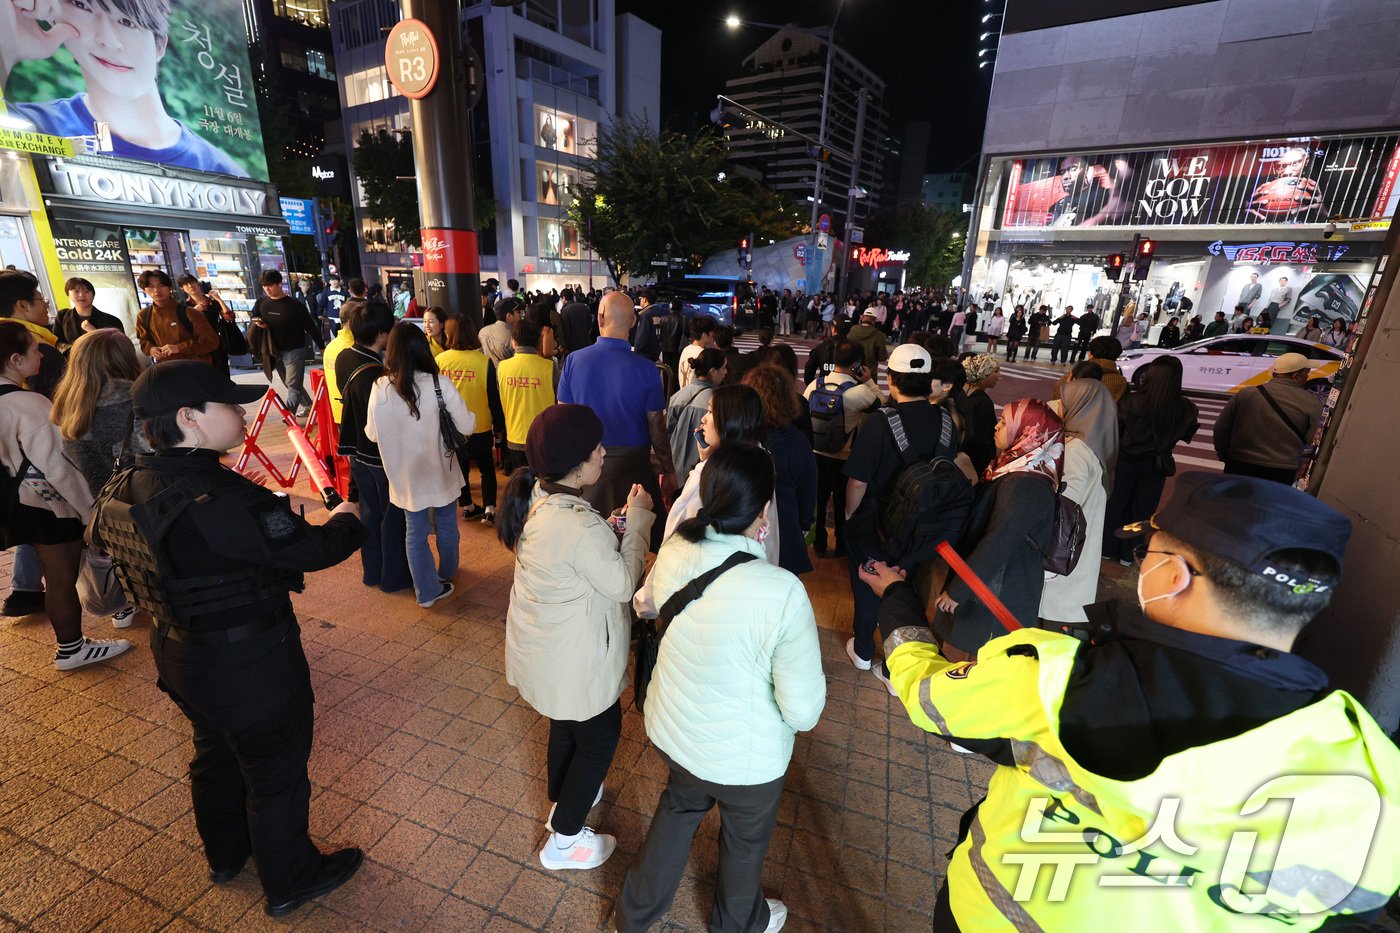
(411, 57)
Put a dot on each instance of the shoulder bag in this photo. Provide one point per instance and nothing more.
(452, 439)
(651, 630)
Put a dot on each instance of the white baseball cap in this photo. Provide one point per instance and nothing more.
(910, 358)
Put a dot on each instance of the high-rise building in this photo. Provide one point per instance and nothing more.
(295, 67)
(555, 72)
(948, 191)
(905, 158)
(783, 80)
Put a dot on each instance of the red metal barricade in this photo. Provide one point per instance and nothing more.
(314, 444)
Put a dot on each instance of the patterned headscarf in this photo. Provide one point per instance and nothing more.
(979, 367)
(1037, 442)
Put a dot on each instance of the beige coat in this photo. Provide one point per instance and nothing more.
(568, 631)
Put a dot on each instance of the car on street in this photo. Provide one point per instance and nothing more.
(1223, 365)
(718, 296)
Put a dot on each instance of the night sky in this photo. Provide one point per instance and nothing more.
(926, 50)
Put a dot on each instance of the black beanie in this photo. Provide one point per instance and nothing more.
(562, 437)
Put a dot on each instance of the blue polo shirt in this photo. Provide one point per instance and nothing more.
(619, 385)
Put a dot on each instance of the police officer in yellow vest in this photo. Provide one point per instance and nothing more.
(1177, 768)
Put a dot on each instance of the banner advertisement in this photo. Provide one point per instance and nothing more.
(1283, 181)
(170, 79)
(98, 253)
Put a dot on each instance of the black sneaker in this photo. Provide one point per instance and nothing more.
(471, 510)
(336, 869)
(488, 517)
(23, 603)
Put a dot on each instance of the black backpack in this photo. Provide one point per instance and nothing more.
(930, 500)
(828, 408)
(1067, 535)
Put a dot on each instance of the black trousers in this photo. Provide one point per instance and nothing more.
(478, 451)
(747, 816)
(1059, 348)
(1081, 347)
(512, 459)
(579, 755)
(1137, 488)
(1032, 346)
(831, 484)
(250, 703)
(383, 556)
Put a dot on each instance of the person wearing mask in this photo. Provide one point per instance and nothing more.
(1152, 420)
(216, 572)
(167, 330)
(1064, 337)
(1087, 325)
(1170, 335)
(496, 337)
(702, 337)
(1311, 330)
(979, 412)
(1263, 429)
(289, 326)
(384, 555)
(568, 630)
(724, 726)
(220, 318)
(1008, 529)
(1090, 418)
(92, 408)
(1015, 333)
(465, 365)
(424, 477)
(526, 384)
(53, 500)
(793, 460)
(688, 406)
(81, 317)
(859, 395)
(433, 320)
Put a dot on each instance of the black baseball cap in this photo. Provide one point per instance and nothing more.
(168, 387)
(1245, 520)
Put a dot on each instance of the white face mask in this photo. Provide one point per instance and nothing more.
(1142, 603)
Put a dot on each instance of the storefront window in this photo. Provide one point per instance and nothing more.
(221, 259)
(557, 240)
(14, 251)
(563, 132)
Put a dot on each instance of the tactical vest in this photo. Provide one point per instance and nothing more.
(134, 535)
(1273, 829)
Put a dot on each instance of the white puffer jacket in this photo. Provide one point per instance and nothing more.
(740, 671)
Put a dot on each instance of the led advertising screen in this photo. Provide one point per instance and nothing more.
(1283, 181)
(169, 78)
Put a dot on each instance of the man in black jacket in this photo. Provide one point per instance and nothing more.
(1064, 336)
(579, 325)
(289, 324)
(1035, 324)
(1088, 325)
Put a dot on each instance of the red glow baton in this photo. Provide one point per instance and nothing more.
(974, 582)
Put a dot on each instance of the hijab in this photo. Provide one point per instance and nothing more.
(1037, 442)
(1090, 414)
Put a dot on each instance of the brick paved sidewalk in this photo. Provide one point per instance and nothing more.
(427, 759)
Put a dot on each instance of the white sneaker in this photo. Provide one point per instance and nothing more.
(549, 820)
(122, 618)
(777, 915)
(447, 590)
(589, 850)
(878, 671)
(860, 663)
(91, 651)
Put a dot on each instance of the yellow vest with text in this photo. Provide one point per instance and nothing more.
(341, 341)
(526, 382)
(468, 371)
(1274, 829)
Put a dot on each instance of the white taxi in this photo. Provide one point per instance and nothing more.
(1224, 365)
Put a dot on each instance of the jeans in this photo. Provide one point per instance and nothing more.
(291, 367)
(27, 574)
(382, 557)
(478, 451)
(1285, 475)
(427, 575)
(579, 754)
(747, 817)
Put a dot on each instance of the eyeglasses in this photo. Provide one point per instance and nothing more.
(1142, 550)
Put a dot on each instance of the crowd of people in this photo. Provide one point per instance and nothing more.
(623, 430)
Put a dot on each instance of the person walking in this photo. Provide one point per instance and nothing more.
(738, 674)
(996, 326)
(793, 461)
(467, 367)
(688, 406)
(1152, 419)
(568, 630)
(1087, 326)
(1015, 333)
(425, 479)
(1263, 430)
(289, 325)
(859, 396)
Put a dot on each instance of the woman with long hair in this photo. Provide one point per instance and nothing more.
(688, 406)
(738, 675)
(1336, 336)
(1153, 418)
(1090, 418)
(796, 465)
(434, 323)
(54, 502)
(568, 631)
(1015, 333)
(1009, 527)
(424, 477)
(1170, 335)
(467, 367)
(92, 408)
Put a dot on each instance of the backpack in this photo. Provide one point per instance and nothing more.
(929, 502)
(1067, 534)
(10, 483)
(828, 407)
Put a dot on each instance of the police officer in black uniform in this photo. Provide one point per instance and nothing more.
(214, 557)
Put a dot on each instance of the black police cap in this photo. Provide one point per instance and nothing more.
(168, 387)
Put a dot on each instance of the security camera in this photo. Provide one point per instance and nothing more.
(1329, 229)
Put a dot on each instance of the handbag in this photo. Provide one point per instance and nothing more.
(98, 589)
(651, 630)
(452, 439)
(231, 339)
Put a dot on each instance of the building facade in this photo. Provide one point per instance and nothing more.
(783, 80)
(1230, 139)
(947, 191)
(556, 71)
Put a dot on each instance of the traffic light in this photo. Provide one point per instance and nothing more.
(745, 254)
(1143, 261)
(1113, 267)
(820, 153)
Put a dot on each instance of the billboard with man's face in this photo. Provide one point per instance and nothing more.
(169, 78)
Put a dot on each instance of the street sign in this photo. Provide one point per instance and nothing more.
(37, 143)
(799, 252)
(824, 223)
(411, 57)
(857, 234)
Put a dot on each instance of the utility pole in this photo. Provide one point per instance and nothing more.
(851, 198)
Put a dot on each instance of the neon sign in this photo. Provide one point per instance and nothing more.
(871, 257)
